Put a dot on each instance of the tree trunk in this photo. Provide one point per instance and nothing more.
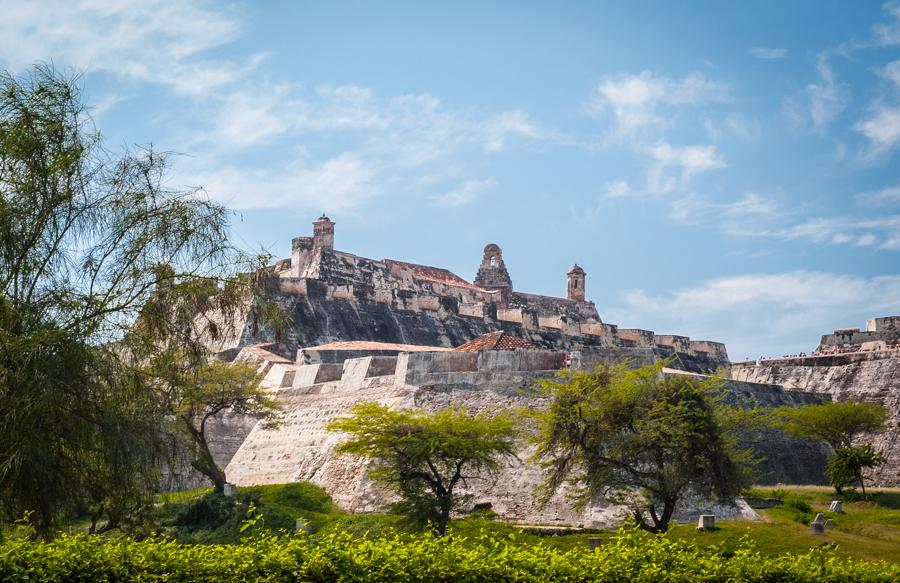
(205, 464)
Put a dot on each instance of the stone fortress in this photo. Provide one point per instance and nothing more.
(410, 335)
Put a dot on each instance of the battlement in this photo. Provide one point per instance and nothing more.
(880, 334)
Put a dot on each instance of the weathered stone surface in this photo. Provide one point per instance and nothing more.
(872, 376)
(301, 448)
(338, 296)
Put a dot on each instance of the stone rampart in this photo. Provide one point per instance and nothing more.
(302, 449)
(865, 376)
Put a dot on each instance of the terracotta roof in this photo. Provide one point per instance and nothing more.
(368, 345)
(429, 273)
(497, 341)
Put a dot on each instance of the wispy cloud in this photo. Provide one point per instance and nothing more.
(339, 184)
(887, 34)
(820, 103)
(646, 99)
(777, 313)
(768, 53)
(889, 195)
(467, 192)
(150, 41)
(674, 166)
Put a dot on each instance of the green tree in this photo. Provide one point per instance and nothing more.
(640, 438)
(839, 425)
(87, 238)
(197, 394)
(423, 457)
(846, 465)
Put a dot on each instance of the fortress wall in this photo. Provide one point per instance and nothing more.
(302, 449)
(864, 376)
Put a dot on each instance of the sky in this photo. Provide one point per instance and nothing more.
(721, 170)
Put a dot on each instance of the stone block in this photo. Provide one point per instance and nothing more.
(835, 506)
(229, 490)
(829, 524)
(820, 518)
(706, 522)
(313, 374)
(817, 527)
(594, 542)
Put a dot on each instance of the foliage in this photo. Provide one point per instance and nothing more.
(795, 508)
(82, 235)
(422, 457)
(197, 393)
(846, 465)
(838, 425)
(214, 518)
(628, 556)
(640, 438)
(101, 265)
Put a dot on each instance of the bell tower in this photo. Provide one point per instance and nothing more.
(576, 283)
(323, 233)
(492, 274)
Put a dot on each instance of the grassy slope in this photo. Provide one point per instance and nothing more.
(867, 530)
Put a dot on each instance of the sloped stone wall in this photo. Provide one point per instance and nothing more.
(865, 376)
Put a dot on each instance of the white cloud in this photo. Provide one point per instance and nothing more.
(642, 100)
(467, 192)
(768, 53)
(820, 103)
(886, 196)
(152, 41)
(881, 127)
(674, 166)
(339, 184)
(506, 124)
(617, 189)
(889, 33)
(762, 314)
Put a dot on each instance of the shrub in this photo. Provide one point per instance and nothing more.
(628, 556)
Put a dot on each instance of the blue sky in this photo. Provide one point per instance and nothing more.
(727, 171)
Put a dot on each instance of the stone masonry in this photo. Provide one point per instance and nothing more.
(493, 380)
(848, 364)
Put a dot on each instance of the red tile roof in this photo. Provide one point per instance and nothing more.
(436, 274)
(497, 341)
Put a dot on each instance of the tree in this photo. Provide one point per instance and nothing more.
(640, 438)
(839, 425)
(423, 457)
(87, 238)
(846, 465)
(197, 394)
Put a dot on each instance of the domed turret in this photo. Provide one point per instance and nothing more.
(576, 283)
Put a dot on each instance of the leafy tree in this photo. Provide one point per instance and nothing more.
(640, 438)
(87, 238)
(846, 465)
(838, 425)
(197, 394)
(422, 457)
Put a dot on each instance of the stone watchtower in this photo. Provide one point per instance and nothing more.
(492, 274)
(323, 233)
(576, 283)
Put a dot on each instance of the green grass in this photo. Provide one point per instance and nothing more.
(866, 530)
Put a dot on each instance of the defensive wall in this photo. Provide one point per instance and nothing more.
(314, 394)
(849, 364)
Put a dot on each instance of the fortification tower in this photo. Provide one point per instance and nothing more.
(323, 233)
(492, 274)
(576, 283)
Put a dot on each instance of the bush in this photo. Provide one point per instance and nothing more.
(795, 508)
(628, 556)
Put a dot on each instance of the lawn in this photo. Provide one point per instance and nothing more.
(866, 530)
